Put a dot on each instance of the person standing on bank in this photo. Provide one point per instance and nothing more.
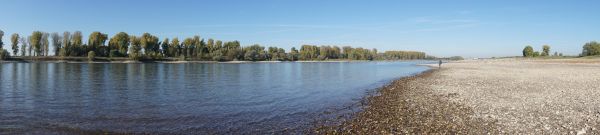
(440, 64)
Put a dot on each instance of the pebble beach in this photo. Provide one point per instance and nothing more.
(493, 96)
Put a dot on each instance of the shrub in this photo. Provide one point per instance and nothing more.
(91, 55)
(528, 51)
(154, 56)
(62, 52)
(3, 54)
(536, 54)
(134, 56)
(114, 53)
(321, 57)
(456, 58)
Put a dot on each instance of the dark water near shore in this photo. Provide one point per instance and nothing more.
(58, 98)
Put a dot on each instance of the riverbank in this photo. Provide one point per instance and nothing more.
(522, 96)
(56, 59)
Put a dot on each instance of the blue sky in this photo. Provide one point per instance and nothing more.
(468, 28)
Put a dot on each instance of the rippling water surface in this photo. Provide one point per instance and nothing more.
(58, 98)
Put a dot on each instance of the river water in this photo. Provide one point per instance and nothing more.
(192, 98)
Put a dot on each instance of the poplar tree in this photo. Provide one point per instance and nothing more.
(175, 47)
(1, 43)
(15, 43)
(77, 44)
(45, 44)
(67, 45)
(35, 41)
(23, 45)
(56, 43)
(165, 47)
(135, 48)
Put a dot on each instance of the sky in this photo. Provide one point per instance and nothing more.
(468, 28)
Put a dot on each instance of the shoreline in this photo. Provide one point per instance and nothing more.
(497, 96)
(125, 60)
(394, 110)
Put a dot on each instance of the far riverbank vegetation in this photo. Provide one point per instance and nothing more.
(123, 46)
(590, 49)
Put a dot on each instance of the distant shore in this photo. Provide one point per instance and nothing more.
(56, 59)
(492, 96)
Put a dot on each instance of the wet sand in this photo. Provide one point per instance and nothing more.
(506, 96)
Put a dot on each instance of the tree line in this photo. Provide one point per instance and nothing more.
(149, 47)
(589, 49)
(529, 52)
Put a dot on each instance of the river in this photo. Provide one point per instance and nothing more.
(192, 98)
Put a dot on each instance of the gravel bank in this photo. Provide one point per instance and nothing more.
(487, 96)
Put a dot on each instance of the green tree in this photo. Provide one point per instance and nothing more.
(135, 50)
(251, 55)
(77, 48)
(188, 47)
(456, 58)
(324, 53)
(23, 45)
(175, 47)
(96, 40)
(375, 54)
(56, 43)
(45, 44)
(545, 50)
(272, 53)
(309, 52)
(3, 54)
(219, 44)
(346, 52)
(276, 54)
(149, 43)
(120, 43)
(233, 50)
(536, 54)
(281, 55)
(216, 50)
(336, 52)
(200, 47)
(67, 48)
(1, 43)
(30, 47)
(294, 54)
(165, 48)
(217, 55)
(14, 38)
(528, 51)
(403, 55)
(210, 45)
(591, 49)
(35, 40)
(255, 53)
